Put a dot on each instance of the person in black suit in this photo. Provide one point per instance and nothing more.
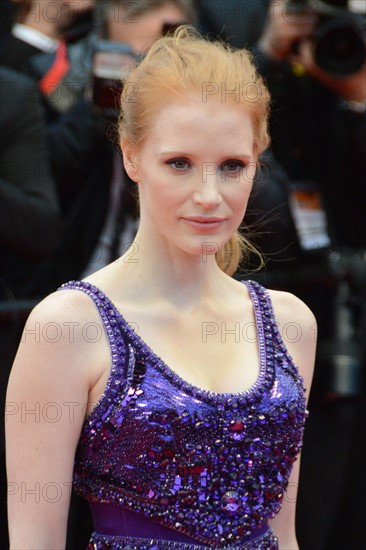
(30, 225)
(37, 28)
(29, 210)
(32, 33)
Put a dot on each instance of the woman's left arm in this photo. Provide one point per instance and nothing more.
(288, 308)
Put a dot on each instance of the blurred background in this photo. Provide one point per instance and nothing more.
(67, 207)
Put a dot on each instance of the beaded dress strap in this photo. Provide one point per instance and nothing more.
(122, 357)
(280, 350)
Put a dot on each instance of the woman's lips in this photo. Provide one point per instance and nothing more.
(204, 223)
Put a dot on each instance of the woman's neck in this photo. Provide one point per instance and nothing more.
(158, 271)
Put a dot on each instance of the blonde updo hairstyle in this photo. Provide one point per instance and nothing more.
(182, 63)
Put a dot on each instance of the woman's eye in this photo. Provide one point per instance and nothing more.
(179, 164)
(232, 167)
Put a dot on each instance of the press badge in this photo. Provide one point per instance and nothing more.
(309, 216)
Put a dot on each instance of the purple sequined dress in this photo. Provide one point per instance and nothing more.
(167, 465)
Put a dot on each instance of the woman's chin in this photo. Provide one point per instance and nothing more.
(202, 249)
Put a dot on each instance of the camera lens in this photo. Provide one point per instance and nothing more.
(339, 48)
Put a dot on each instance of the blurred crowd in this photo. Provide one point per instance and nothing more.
(67, 207)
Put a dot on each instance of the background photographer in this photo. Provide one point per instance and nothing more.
(36, 26)
(86, 163)
(313, 56)
(313, 104)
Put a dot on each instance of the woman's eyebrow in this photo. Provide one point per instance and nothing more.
(241, 155)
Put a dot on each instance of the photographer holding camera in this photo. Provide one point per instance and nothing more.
(93, 187)
(313, 56)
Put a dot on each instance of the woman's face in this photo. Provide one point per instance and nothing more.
(195, 172)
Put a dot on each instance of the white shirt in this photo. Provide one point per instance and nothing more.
(34, 38)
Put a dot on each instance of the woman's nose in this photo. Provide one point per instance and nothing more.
(207, 196)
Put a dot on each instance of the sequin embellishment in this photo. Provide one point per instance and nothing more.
(211, 466)
(267, 541)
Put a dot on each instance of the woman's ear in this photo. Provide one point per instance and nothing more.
(130, 162)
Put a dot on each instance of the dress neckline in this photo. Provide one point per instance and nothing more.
(264, 379)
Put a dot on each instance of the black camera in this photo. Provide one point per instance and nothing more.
(112, 63)
(339, 37)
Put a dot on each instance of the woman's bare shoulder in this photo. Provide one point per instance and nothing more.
(289, 308)
(67, 305)
(65, 332)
